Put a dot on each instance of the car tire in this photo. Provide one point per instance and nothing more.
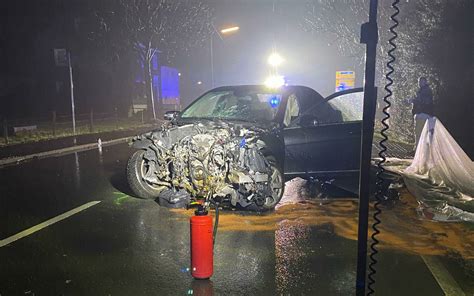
(135, 176)
(278, 187)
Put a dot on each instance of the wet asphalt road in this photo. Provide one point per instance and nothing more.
(127, 246)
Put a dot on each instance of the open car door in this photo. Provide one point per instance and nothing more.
(325, 138)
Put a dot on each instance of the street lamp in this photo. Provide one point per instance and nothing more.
(275, 81)
(230, 30)
(275, 60)
(224, 31)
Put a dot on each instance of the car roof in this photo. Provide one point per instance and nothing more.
(306, 95)
(263, 88)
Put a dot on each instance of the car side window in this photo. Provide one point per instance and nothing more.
(343, 108)
(292, 110)
(324, 113)
(350, 106)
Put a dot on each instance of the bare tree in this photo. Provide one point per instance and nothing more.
(166, 25)
(340, 21)
(149, 26)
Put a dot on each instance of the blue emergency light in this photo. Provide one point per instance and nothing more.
(274, 101)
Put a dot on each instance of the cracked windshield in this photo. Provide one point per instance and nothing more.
(228, 105)
(236, 147)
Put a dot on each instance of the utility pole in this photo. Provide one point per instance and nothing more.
(72, 96)
(211, 45)
(150, 75)
(369, 36)
(212, 58)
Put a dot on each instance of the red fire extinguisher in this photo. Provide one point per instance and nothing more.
(201, 244)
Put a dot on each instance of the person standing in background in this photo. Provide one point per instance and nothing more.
(423, 107)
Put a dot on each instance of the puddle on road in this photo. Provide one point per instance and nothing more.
(401, 228)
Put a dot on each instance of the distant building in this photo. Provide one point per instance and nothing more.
(165, 84)
(170, 95)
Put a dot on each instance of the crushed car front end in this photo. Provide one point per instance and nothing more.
(231, 159)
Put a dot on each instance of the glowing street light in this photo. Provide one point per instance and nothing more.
(211, 46)
(275, 81)
(229, 30)
(199, 82)
(275, 60)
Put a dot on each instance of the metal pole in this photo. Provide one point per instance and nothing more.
(116, 118)
(54, 124)
(91, 121)
(150, 75)
(212, 59)
(369, 36)
(72, 95)
(5, 130)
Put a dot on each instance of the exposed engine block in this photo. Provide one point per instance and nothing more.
(211, 161)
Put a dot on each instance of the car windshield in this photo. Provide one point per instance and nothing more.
(234, 105)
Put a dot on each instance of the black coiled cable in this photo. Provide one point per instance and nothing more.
(381, 161)
(216, 222)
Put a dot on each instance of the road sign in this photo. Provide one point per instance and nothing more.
(345, 80)
(60, 57)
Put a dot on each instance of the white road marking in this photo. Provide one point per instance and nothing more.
(445, 280)
(46, 223)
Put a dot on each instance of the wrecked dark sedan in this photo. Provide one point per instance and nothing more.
(237, 145)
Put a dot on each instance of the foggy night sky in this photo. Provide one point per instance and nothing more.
(31, 29)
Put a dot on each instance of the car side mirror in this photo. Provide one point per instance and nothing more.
(171, 115)
(308, 120)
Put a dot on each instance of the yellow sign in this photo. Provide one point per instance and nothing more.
(345, 80)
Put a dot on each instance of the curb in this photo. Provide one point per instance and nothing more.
(59, 152)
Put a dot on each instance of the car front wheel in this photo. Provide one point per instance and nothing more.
(137, 169)
(277, 185)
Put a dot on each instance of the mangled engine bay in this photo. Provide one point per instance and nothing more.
(211, 161)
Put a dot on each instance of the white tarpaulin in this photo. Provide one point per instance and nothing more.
(441, 175)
